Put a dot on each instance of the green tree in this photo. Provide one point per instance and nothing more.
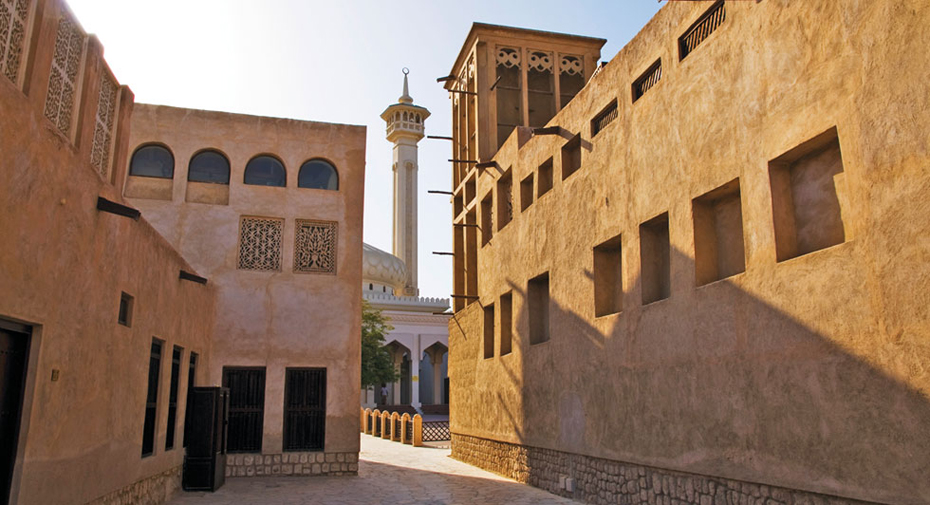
(377, 367)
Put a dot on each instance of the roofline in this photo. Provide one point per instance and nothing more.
(244, 116)
(476, 27)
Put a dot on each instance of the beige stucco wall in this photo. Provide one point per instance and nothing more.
(63, 266)
(272, 319)
(808, 373)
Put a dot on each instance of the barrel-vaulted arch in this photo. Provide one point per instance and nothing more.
(265, 170)
(318, 173)
(152, 160)
(209, 165)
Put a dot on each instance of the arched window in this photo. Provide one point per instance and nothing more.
(152, 161)
(318, 174)
(209, 166)
(418, 118)
(265, 170)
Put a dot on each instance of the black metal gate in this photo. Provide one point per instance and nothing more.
(14, 350)
(246, 408)
(304, 409)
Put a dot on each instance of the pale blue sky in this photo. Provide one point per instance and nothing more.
(337, 62)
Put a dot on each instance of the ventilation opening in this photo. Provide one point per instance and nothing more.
(646, 81)
(526, 192)
(489, 331)
(124, 316)
(571, 77)
(571, 156)
(487, 218)
(508, 94)
(604, 118)
(805, 200)
(608, 283)
(718, 234)
(540, 88)
(506, 323)
(457, 205)
(701, 29)
(654, 255)
(505, 199)
(538, 294)
(471, 256)
(545, 178)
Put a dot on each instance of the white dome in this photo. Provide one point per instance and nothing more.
(382, 267)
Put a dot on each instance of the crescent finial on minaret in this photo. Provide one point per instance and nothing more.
(405, 98)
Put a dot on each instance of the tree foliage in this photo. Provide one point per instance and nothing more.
(377, 367)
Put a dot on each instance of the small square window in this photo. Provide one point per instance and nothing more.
(124, 317)
(571, 156)
(526, 192)
(545, 178)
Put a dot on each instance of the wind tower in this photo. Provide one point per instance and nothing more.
(405, 127)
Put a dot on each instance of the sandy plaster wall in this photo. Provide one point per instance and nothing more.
(808, 373)
(271, 319)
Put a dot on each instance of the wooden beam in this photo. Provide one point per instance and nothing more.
(119, 209)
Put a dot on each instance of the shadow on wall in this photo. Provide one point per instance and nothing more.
(711, 380)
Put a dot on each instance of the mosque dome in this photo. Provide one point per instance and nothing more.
(382, 267)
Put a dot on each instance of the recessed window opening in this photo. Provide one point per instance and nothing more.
(538, 300)
(646, 81)
(124, 316)
(718, 234)
(545, 178)
(318, 174)
(151, 400)
(487, 218)
(508, 93)
(209, 166)
(571, 156)
(701, 29)
(608, 278)
(489, 331)
(540, 88)
(152, 161)
(505, 199)
(654, 249)
(807, 185)
(604, 118)
(526, 192)
(506, 308)
(173, 397)
(264, 170)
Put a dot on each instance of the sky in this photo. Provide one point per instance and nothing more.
(334, 61)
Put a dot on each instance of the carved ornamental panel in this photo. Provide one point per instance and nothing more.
(13, 16)
(103, 129)
(571, 65)
(315, 247)
(508, 57)
(260, 243)
(69, 47)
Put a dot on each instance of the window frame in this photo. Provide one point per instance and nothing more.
(149, 145)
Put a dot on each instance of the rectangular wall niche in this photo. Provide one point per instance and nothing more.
(608, 284)
(505, 199)
(571, 156)
(654, 256)
(545, 178)
(807, 184)
(506, 323)
(489, 331)
(718, 234)
(526, 192)
(538, 298)
(487, 218)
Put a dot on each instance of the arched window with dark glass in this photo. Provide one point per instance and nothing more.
(152, 161)
(318, 174)
(209, 166)
(265, 170)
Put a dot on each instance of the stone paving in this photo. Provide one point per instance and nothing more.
(388, 473)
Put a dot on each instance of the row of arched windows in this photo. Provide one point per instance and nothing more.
(212, 166)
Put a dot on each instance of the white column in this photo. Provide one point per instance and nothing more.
(405, 209)
(415, 371)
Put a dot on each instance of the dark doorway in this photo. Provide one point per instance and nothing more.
(304, 409)
(14, 354)
(246, 408)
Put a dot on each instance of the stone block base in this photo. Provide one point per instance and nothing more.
(153, 490)
(292, 463)
(603, 481)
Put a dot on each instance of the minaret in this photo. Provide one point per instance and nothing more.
(405, 127)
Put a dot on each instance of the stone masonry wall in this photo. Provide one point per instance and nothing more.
(292, 463)
(602, 481)
(154, 490)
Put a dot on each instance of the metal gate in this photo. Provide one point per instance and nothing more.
(304, 409)
(246, 408)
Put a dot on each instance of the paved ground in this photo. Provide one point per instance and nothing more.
(389, 473)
